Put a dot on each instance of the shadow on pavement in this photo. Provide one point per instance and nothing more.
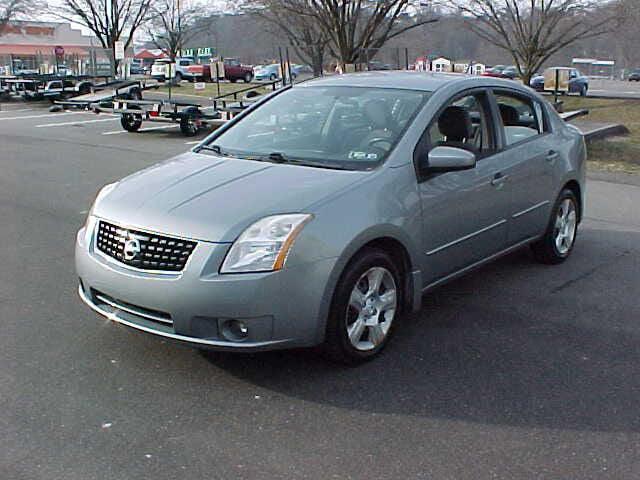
(509, 344)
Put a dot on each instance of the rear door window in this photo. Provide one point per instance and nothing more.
(522, 117)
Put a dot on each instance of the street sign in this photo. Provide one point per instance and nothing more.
(119, 50)
(59, 51)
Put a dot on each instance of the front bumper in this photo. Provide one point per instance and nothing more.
(281, 309)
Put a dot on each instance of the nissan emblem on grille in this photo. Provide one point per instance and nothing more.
(131, 248)
(143, 250)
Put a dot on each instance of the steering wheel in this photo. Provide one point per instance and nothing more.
(380, 140)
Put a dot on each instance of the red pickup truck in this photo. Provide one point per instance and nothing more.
(233, 71)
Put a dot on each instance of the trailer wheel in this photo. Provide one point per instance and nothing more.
(189, 126)
(131, 122)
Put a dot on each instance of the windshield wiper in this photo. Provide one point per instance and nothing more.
(277, 157)
(210, 148)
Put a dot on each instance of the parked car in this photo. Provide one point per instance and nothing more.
(160, 66)
(200, 72)
(634, 76)
(338, 203)
(137, 67)
(374, 65)
(510, 72)
(267, 72)
(578, 83)
(495, 71)
(302, 69)
(234, 71)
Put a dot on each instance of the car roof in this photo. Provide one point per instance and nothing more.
(409, 80)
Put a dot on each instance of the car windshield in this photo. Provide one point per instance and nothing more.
(331, 127)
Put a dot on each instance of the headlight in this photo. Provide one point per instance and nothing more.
(264, 246)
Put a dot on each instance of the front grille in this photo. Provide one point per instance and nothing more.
(143, 250)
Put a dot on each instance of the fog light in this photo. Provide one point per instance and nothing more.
(235, 330)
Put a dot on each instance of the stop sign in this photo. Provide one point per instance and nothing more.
(59, 51)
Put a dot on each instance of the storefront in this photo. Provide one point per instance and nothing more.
(30, 47)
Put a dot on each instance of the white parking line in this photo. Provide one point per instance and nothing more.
(116, 132)
(18, 110)
(27, 117)
(192, 143)
(79, 122)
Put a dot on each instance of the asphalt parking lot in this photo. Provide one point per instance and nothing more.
(517, 371)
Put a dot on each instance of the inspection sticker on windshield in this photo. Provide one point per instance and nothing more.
(362, 156)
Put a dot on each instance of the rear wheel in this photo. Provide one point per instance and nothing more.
(557, 243)
(365, 305)
(247, 78)
(131, 122)
(190, 123)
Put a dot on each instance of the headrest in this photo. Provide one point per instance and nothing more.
(378, 113)
(509, 114)
(455, 124)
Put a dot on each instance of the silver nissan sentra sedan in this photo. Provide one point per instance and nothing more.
(324, 212)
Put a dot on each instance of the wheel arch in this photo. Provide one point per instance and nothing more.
(400, 249)
(575, 187)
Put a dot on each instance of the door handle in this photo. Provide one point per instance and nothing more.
(499, 179)
(552, 156)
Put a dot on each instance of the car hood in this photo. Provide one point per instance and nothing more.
(210, 198)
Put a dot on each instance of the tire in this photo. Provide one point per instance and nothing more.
(188, 127)
(547, 250)
(273, 77)
(131, 122)
(583, 91)
(247, 78)
(368, 315)
(178, 77)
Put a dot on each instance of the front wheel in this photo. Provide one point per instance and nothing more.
(557, 243)
(365, 305)
(583, 91)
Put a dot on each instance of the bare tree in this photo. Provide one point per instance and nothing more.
(172, 25)
(531, 31)
(10, 9)
(110, 20)
(303, 32)
(628, 37)
(351, 28)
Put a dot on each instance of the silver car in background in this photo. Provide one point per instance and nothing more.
(323, 213)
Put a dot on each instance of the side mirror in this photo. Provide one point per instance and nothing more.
(450, 159)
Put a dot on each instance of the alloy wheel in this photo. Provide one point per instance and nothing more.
(372, 308)
(564, 232)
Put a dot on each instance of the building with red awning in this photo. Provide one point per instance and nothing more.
(30, 46)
